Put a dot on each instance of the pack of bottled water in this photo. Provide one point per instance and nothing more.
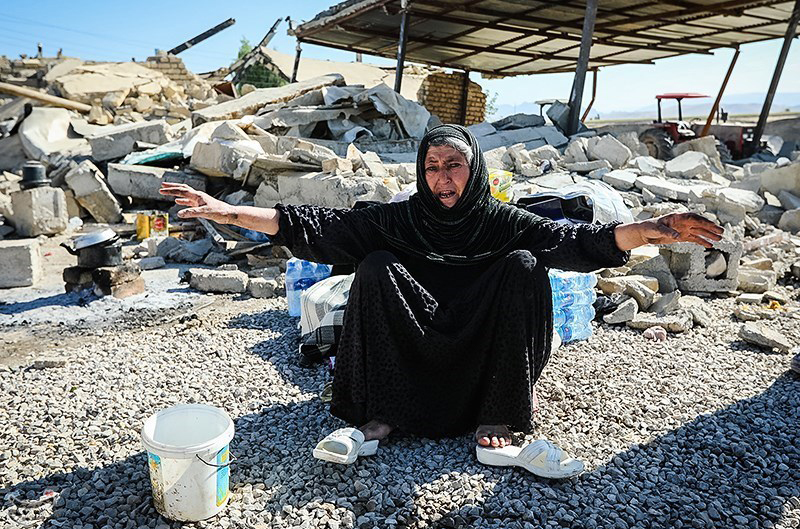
(573, 296)
(300, 275)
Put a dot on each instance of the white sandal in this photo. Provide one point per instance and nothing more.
(344, 446)
(541, 458)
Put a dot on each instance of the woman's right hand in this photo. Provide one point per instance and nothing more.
(200, 204)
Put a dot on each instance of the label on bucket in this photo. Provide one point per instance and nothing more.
(223, 476)
(154, 461)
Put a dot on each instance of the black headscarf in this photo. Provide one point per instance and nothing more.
(478, 227)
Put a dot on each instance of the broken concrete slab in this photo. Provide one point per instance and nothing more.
(764, 337)
(576, 151)
(701, 315)
(92, 193)
(657, 267)
(776, 179)
(620, 179)
(39, 211)
(337, 165)
(222, 157)
(256, 100)
(750, 298)
(691, 164)
(322, 189)
(151, 263)
(12, 154)
(677, 322)
(660, 187)
(625, 312)
(139, 181)
(788, 200)
(232, 281)
(118, 141)
(613, 285)
(756, 281)
(749, 200)
(20, 262)
(643, 295)
(262, 288)
(46, 131)
(706, 145)
(585, 167)
(666, 303)
(610, 149)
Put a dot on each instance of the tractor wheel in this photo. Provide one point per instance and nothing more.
(724, 152)
(658, 142)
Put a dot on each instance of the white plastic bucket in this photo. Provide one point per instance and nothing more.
(187, 452)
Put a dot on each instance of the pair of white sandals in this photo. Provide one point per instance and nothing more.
(541, 458)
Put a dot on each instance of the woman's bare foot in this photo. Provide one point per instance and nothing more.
(375, 430)
(493, 435)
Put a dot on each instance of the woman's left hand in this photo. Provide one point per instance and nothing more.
(680, 227)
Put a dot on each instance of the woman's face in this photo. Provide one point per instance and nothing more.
(446, 172)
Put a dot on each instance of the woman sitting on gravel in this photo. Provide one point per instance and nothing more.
(449, 321)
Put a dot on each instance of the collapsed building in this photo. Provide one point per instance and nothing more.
(94, 141)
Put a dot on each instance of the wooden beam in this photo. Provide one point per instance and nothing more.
(44, 98)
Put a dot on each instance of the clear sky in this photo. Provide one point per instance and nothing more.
(118, 31)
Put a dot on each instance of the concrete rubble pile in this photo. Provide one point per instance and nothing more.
(320, 141)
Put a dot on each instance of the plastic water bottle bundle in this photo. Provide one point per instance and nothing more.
(300, 275)
(573, 296)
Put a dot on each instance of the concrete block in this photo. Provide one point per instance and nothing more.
(680, 321)
(666, 303)
(576, 151)
(91, 192)
(765, 337)
(222, 157)
(337, 165)
(117, 141)
(140, 181)
(262, 288)
(39, 211)
(151, 263)
(687, 262)
(788, 200)
(706, 145)
(20, 263)
(756, 281)
(218, 280)
(613, 285)
(691, 164)
(610, 149)
(546, 152)
(585, 167)
(776, 179)
(620, 179)
(647, 165)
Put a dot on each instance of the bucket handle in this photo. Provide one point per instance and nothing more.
(231, 459)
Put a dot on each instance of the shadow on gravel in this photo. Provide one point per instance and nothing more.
(62, 300)
(737, 467)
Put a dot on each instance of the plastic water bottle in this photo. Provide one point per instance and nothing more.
(575, 331)
(567, 298)
(300, 275)
(573, 296)
(573, 314)
(560, 280)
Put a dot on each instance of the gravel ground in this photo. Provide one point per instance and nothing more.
(700, 431)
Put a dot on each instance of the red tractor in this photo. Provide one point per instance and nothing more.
(665, 134)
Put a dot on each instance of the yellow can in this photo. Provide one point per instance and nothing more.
(142, 225)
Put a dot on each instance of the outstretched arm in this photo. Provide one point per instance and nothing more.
(203, 205)
(675, 227)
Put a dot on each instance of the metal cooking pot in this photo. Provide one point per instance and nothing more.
(101, 248)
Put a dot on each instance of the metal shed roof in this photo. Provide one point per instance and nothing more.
(520, 37)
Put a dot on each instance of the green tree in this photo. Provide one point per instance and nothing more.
(257, 74)
(491, 103)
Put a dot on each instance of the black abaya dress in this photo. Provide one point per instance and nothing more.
(434, 348)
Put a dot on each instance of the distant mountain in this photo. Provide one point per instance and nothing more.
(749, 103)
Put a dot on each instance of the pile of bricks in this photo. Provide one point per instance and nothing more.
(171, 66)
(440, 93)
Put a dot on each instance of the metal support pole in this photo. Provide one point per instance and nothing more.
(719, 95)
(297, 49)
(464, 95)
(680, 110)
(401, 46)
(594, 93)
(791, 28)
(201, 37)
(659, 110)
(583, 63)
